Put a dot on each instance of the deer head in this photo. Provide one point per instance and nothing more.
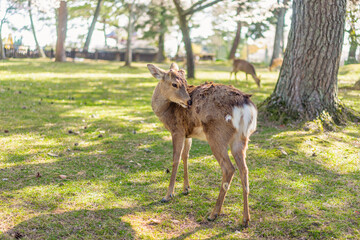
(172, 84)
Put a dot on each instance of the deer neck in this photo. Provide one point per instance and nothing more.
(159, 103)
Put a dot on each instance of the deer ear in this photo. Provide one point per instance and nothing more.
(158, 73)
(174, 66)
(182, 72)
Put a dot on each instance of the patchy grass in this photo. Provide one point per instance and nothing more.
(93, 123)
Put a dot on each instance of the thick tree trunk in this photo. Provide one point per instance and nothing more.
(307, 85)
(128, 53)
(60, 55)
(160, 57)
(237, 37)
(40, 50)
(92, 26)
(279, 34)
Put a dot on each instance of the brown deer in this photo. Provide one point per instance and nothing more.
(219, 114)
(277, 62)
(247, 68)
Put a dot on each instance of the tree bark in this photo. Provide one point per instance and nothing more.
(128, 53)
(160, 57)
(237, 37)
(104, 31)
(353, 46)
(307, 84)
(184, 27)
(60, 55)
(40, 50)
(279, 34)
(92, 26)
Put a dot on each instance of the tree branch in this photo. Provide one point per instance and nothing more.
(194, 9)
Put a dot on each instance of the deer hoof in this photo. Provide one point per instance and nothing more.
(165, 199)
(186, 191)
(212, 218)
(246, 223)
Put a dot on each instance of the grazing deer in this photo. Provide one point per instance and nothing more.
(246, 67)
(218, 114)
(277, 62)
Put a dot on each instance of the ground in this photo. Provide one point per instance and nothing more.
(82, 156)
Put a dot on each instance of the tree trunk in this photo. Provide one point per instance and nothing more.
(307, 84)
(237, 37)
(353, 46)
(128, 53)
(160, 57)
(279, 34)
(60, 55)
(40, 50)
(104, 31)
(2, 53)
(92, 26)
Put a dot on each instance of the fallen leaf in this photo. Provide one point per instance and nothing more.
(53, 154)
(38, 175)
(63, 176)
(6, 131)
(81, 173)
(154, 222)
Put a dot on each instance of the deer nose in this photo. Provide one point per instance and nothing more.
(189, 102)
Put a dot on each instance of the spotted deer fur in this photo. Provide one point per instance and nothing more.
(219, 114)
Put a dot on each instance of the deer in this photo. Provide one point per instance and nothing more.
(219, 114)
(277, 62)
(247, 68)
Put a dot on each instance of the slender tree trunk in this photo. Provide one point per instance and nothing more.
(184, 27)
(237, 37)
(160, 57)
(307, 85)
(128, 53)
(279, 34)
(2, 53)
(104, 31)
(40, 50)
(92, 26)
(353, 46)
(60, 55)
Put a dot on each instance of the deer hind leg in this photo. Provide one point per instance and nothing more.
(178, 145)
(238, 150)
(221, 155)
(185, 156)
(235, 76)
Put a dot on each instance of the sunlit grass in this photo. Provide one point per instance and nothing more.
(93, 122)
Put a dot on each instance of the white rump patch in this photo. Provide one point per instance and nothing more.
(228, 118)
(244, 119)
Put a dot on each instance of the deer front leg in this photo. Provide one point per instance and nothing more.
(178, 145)
(185, 156)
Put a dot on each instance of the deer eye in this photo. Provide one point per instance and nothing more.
(174, 85)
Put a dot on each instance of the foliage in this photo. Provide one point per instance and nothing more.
(96, 126)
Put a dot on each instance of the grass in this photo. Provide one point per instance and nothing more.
(93, 122)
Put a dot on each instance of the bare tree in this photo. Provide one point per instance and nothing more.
(184, 17)
(307, 85)
(92, 26)
(130, 29)
(60, 55)
(40, 50)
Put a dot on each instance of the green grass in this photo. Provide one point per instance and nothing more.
(115, 162)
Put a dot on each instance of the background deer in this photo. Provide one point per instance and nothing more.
(276, 63)
(218, 114)
(246, 67)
